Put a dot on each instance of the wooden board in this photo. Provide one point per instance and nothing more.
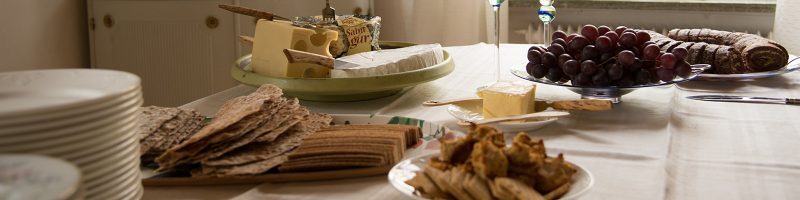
(267, 178)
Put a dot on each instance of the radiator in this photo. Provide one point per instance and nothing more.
(535, 32)
(525, 26)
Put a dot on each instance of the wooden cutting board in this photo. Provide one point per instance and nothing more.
(267, 178)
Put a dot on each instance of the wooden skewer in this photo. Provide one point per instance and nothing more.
(247, 40)
(252, 12)
(296, 56)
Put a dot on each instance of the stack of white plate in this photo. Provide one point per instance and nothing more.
(84, 116)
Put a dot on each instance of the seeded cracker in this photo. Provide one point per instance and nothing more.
(226, 123)
(259, 157)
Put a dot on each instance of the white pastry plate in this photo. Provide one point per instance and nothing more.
(582, 181)
(473, 111)
(794, 65)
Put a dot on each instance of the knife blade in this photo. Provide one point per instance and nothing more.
(745, 99)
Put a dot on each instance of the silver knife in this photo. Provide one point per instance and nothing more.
(745, 99)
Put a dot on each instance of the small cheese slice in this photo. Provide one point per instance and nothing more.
(272, 37)
(507, 98)
(383, 62)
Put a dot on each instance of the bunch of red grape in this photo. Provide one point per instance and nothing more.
(599, 56)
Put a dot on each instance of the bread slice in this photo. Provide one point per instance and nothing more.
(696, 53)
(685, 45)
(673, 34)
(709, 55)
(683, 35)
(671, 45)
(721, 60)
(694, 35)
(663, 42)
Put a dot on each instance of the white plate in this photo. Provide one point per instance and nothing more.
(43, 91)
(75, 137)
(131, 185)
(97, 152)
(68, 113)
(121, 185)
(24, 176)
(57, 128)
(794, 65)
(121, 178)
(117, 156)
(473, 111)
(582, 181)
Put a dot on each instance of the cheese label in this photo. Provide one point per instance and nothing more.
(357, 33)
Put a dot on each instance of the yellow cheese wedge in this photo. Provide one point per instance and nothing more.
(272, 37)
(507, 98)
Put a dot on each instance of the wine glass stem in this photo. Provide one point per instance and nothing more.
(497, 38)
(546, 33)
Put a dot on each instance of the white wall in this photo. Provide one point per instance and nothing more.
(37, 34)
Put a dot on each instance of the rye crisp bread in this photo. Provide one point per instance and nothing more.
(248, 169)
(381, 150)
(394, 154)
(327, 151)
(351, 141)
(150, 119)
(359, 133)
(232, 112)
(284, 143)
(327, 141)
(326, 166)
(362, 157)
(293, 114)
(172, 133)
(232, 133)
(164, 134)
(269, 120)
(260, 151)
(412, 133)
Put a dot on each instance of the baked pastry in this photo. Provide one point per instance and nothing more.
(727, 52)
(492, 170)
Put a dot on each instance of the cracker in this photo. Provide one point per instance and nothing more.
(269, 122)
(341, 157)
(412, 133)
(234, 118)
(284, 143)
(325, 166)
(248, 169)
(150, 120)
(259, 151)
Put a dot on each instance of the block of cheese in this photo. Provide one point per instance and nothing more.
(272, 37)
(388, 61)
(507, 98)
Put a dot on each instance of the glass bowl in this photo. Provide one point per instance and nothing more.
(611, 93)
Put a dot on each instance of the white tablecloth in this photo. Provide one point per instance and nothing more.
(654, 145)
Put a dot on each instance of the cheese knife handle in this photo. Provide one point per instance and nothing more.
(295, 56)
(583, 104)
(431, 103)
(793, 101)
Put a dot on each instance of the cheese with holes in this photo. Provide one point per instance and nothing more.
(272, 37)
(506, 98)
(388, 61)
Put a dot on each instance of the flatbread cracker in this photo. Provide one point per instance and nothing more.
(228, 119)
